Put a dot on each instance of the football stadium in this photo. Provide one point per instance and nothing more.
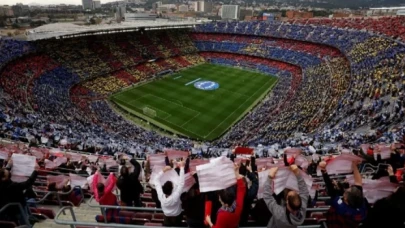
(296, 123)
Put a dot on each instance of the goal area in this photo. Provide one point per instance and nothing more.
(149, 112)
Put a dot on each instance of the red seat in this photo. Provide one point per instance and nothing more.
(147, 195)
(320, 203)
(143, 215)
(158, 217)
(47, 212)
(317, 215)
(139, 221)
(150, 204)
(128, 214)
(146, 199)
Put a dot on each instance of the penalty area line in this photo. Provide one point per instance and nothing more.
(198, 79)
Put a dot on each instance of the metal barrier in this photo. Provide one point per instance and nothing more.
(23, 213)
(43, 198)
(103, 207)
(58, 194)
(74, 223)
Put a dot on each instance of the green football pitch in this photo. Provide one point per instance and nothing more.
(175, 104)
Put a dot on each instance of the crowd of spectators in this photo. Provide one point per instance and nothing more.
(390, 26)
(370, 57)
(12, 49)
(99, 55)
(18, 76)
(257, 197)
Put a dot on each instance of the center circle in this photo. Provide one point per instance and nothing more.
(206, 85)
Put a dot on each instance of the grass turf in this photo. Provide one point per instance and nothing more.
(203, 115)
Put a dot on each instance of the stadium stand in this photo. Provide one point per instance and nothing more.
(336, 110)
(389, 26)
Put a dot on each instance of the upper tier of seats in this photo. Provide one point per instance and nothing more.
(389, 26)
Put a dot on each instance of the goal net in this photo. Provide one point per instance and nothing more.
(150, 112)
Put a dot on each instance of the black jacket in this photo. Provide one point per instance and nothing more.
(385, 213)
(251, 194)
(129, 185)
(14, 192)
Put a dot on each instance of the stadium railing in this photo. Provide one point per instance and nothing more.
(102, 208)
(75, 223)
(20, 208)
(58, 194)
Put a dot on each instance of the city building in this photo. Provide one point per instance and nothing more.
(299, 14)
(87, 4)
(243, 13)
(120, 13)
(230, 12)
(20, 9)
(6, 11)
(140, 16)
(202, 6)
(96, 4)
(386, 11)
(156, 5)
(183, 8)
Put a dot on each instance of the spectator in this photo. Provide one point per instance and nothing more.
(230, 212)
(387, 212)
(104, 196)
(251, 193)
(169, 197)
(349, 210)
(13, 192)
(129, 185)
(193, 205)
(292, 212)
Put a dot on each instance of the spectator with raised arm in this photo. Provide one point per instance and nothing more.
(104, 196)
(14, 192)
(129, 185)
(292, 211)
(349, 210)
(230, 212)
(251, 193)
(169, 197)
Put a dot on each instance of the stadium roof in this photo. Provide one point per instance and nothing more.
(67, 30)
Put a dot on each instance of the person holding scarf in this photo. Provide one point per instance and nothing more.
(230, 212)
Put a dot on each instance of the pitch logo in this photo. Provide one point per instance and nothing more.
(206, 85)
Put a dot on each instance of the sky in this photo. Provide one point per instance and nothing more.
(46, 2)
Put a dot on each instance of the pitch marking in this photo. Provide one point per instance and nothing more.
(198, 79)
(236, 109)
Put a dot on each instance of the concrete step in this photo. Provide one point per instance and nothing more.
(49, 223)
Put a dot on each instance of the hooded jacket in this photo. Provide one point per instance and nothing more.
(280, 218)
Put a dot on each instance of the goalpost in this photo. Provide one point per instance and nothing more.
(150, 112)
